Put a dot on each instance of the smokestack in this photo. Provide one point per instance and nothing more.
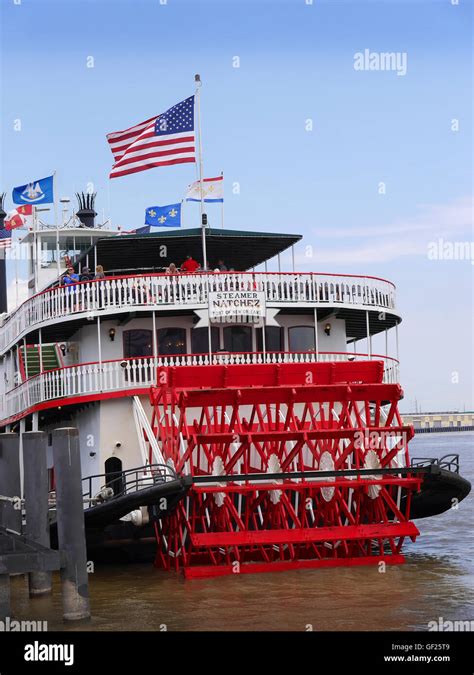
(3, 262)
(86, 213)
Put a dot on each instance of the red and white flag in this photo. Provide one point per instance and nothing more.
(160, 141)
(22, 217)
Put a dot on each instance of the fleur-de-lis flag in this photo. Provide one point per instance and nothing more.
(163, 216)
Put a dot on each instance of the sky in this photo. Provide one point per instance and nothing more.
(372, 166)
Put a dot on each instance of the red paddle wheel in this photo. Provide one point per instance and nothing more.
(293, 465)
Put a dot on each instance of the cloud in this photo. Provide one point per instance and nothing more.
(12, 293)
(401, 238)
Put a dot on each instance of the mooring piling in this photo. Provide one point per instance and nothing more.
(10, 483)
(4, 596)
(35, 484)
(70, 523)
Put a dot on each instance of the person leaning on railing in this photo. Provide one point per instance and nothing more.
(86, 274)
(99, 277)
(190, 265)
(70, 279)
(99, 272)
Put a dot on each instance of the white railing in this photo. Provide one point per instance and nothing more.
(162, 290)
(89, 379)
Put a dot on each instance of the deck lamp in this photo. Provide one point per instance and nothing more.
(327, 329)
(112, 334)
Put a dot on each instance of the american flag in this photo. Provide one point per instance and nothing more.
(160, 141)
(5, 238)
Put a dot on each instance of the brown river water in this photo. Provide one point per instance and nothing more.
(436, 582)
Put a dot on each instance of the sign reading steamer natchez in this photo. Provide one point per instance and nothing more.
(231, 306)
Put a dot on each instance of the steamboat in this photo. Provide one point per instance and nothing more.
(231, 419)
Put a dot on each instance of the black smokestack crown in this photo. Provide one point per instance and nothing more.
(86, 212)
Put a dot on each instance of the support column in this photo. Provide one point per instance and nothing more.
(316, 337)
(293, 257)
(155, 346)
(10, 485)
(71, 531)
(40, 350)
(34, 422)
(36, 503)
(369, 345)
(99, 351)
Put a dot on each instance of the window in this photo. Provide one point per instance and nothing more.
(137, 343)
(238, 339)
(273, 339)
(301, 338)
(200, 340)
(172, 341)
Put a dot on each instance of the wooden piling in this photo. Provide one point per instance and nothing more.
(10, 485)
(36, 503)
(70, 521)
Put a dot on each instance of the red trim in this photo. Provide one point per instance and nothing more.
(71, 400)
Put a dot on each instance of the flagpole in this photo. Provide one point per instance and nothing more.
(222, 209)
(197, 79)
(56, 222)
(35, 252)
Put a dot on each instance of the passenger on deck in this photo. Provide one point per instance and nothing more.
(222, 266)
(86, 274)
(190, 265)
(99, 272)
(70, 278)
(171, 269)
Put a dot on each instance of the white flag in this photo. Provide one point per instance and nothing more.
(212, 190)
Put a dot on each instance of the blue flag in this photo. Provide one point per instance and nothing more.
(164, 216)
(37, 192)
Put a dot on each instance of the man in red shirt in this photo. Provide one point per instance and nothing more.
(190, 265)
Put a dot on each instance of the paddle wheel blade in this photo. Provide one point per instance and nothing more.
(282, 459)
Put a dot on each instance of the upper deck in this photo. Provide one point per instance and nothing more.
(54, 308)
